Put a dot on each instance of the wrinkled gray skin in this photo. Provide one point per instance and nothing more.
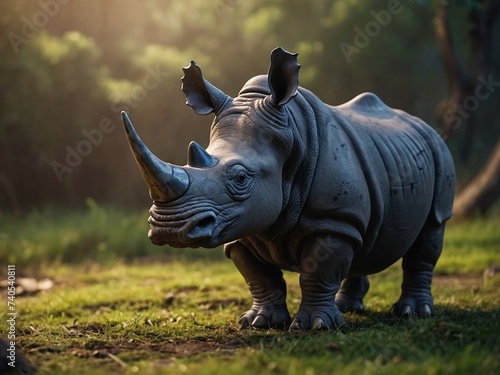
(288, 182)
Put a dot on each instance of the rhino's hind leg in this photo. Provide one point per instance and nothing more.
(324, 264)
(418, 265)
(350, 296)
(268, 289)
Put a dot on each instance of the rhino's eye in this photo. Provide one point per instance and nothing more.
(240, 181)
(241, 178)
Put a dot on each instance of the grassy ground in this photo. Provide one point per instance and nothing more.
(109, 313)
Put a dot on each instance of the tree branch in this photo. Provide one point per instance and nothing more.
(483, 191)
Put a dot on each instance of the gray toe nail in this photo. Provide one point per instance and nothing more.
(244, 323)
(318, 324)
(425, 310)
(406, 310)
(260, 322)
(296, 326)
(393, 310)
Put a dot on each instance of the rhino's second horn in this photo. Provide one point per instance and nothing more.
(198, 157)
(166, 182)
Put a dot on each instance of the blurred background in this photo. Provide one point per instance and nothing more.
(68, 68)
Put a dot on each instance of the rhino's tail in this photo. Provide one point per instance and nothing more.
(444, 189)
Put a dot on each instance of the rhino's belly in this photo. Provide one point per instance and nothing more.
(389, 247)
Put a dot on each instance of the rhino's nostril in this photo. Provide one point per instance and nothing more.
(203, 228)
(206, 222)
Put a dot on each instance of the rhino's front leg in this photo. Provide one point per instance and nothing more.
(267, 286)
(325, 261)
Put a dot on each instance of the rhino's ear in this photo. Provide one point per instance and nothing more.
(202, 96)
(283, 76)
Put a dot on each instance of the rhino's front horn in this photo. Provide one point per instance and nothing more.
(166, 182)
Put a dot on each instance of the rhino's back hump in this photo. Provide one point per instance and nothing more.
(368, 104)
(410, 150)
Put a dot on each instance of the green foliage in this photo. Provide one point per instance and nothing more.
(86, 61)
(73, 46)
(471, 4)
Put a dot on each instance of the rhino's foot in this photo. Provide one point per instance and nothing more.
(350, 296)
(265, 317)
(418, 265)
(346, 304)
(411, 306)
(317, 318)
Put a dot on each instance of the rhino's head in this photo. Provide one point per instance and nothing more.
(232, 189)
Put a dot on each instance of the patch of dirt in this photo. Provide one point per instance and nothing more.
(216, 304)
(186, 289)
(186, 348)
(93, 329)
(181, 348)
(114, 305)
(473, 281)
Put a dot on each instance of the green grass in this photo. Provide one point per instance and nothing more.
(111, 312)
(98, 234)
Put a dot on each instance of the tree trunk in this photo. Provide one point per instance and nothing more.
(452, 112)
(10, 194)
(483, 191)
(447, 111)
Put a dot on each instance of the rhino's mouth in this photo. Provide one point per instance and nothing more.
(183, 228)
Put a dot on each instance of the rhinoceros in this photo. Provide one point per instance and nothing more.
(288, 182)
